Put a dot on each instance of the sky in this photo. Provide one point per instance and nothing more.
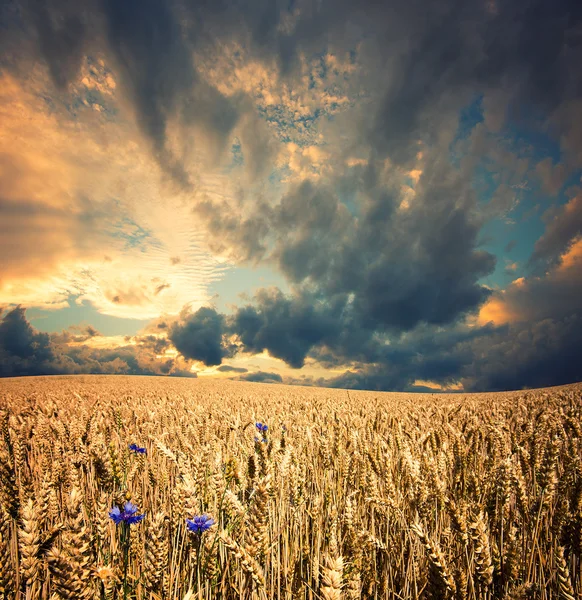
(379, 195)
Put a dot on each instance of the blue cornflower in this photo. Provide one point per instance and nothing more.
(127, 515)
(137, 449)
(200, 523)
(261, 427)
(261, 440)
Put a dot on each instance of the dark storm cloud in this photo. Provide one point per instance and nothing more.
(229, 369)
(403, 267)
(423, 266)
(311, 223)
(381, 272)
(262, 377)
(457, 49)
(60, 38)
(287, 327)
(293, 327)
(420, 85)
(26, 351)
(538, 354)
(426, 353)
(539, 348)
(539, 351)
(22, 349)
(430, 57)
(563, 225)
(155, 63)
(148, 44)
(198, 336)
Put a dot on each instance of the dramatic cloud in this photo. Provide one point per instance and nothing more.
(555, 294)
(427, 66)
(564, 224)
(533, 355)
(330, 188)
(82, 215)
(199, 336)
(229, 369)
(26, 351)
(286, 328)
(534, 328)
(262, 377)
(23, 351)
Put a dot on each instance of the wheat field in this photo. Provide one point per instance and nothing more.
(124, 488)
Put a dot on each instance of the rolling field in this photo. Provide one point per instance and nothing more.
(269, 491)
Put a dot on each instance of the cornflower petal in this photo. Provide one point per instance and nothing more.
(129, 508)
(137, 449)
(132, 519)
(200, 523)
(127, 515)
(115, 515)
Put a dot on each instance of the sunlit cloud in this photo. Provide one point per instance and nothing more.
(536, 297)
(86, 214)
(437, 387)
(497, 311)
(571, 260)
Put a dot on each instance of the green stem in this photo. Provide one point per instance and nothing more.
(125, 546)
(197, 545)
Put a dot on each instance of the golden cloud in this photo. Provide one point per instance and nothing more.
(533, 298)
(85, 211)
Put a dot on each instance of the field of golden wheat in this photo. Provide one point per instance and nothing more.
(155, 488)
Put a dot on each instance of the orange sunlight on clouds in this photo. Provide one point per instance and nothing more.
(68, 208)
(572, 257)
(497, 311)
